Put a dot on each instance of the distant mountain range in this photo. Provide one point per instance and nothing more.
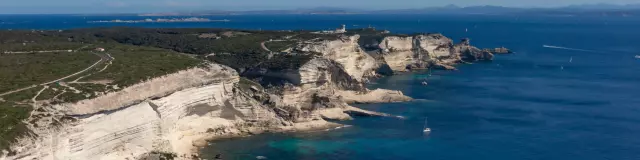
(574, 10)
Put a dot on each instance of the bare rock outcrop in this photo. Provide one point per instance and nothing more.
(345, 51)
(398, 52)
(470, 53)
(403, 53)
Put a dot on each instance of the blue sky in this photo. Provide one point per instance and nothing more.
(120, 6)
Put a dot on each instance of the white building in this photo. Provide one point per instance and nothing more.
(342, 29)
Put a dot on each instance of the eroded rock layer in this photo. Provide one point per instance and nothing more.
(178, 112)
(427, 50)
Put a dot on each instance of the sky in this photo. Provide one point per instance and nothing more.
(142, 6)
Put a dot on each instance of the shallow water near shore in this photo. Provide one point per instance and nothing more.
(534, 104)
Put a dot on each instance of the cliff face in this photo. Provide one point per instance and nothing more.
(398, 52)
(427, 50)
(471, 53)
(178, 112)
(347, 52)
(169, 116)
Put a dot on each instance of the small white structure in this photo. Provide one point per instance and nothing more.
(342, 29)
(100, 49)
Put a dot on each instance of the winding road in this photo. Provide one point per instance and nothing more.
(102, 59)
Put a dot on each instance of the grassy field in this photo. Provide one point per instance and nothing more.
(22, 70)
(134, 64)
(11, 125)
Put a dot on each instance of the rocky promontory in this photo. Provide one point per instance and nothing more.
(257, 81)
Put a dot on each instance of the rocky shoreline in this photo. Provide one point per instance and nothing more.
(179, 112)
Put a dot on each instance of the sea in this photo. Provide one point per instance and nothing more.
(570, 91)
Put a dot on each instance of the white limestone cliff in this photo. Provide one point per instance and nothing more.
(347, 52)
(427, 50)
(178, 112)
(398, 52)
(134, 121)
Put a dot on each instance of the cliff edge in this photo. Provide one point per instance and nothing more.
(310, 82)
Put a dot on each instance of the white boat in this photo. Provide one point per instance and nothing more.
(637, 56)
(571, 59)
(426, 127)
(424, 83)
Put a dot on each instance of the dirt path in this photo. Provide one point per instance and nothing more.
(79, 72)
(264, 47)
(109, 58)
(102, 58)
(36, 96)
(46, 51)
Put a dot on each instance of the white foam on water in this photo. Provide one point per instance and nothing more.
(567, 48)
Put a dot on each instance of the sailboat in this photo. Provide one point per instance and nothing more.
(426, 127)
(571, 59)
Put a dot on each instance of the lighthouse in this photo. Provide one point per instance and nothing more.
(342, 29)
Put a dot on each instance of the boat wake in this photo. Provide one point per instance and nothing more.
(339, 127)
(567, 48)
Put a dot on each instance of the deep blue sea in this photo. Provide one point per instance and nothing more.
(535, 104)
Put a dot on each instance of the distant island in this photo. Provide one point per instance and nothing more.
(598, 10)
(160, 20)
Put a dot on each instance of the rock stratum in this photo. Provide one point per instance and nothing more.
(179, 112)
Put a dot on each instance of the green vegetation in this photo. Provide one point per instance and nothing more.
(11, 125)
(240, 62)
(23, 70)
(181, 40)
(286, 61)
(32, 47)
(278, 46)
(49, 93)
(134, 64)
(16, 41)
(22, 96)
(363, 31)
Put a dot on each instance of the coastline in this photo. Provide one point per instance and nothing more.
(220, 103)
(310, 126)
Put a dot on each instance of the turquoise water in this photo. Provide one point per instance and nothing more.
(534, 104)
